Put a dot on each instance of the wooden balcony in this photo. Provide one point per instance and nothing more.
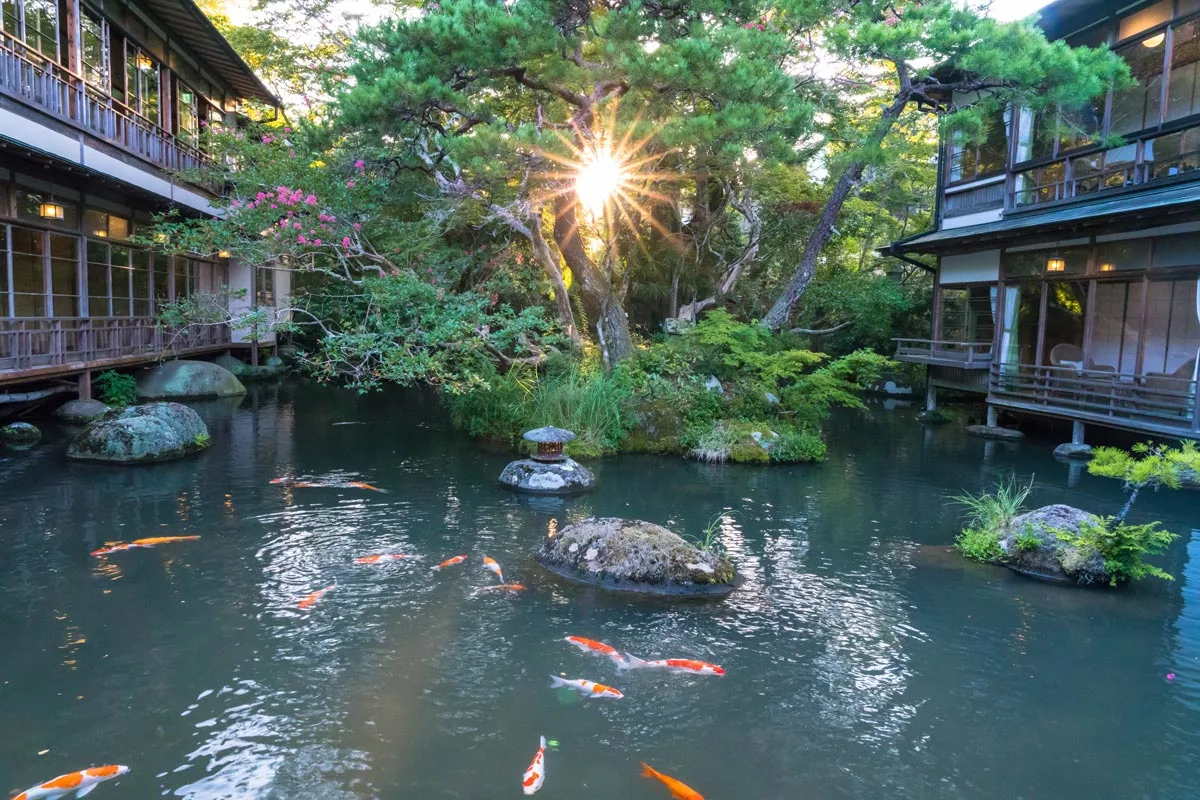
(30, 78)
(37, 347)
(1151, 404)
(962, 355)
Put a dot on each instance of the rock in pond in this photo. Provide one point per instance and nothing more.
(81, 412)
(989, 432)
(1076, 452)
(188, 379)
(142, 434)
(1053, 559)
(232, 363)
(631, 555)
(548, 477)
(20, 435)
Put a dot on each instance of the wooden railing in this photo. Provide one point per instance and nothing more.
(964, 355)
(1152, 403)
(27, 344)
(35, 80)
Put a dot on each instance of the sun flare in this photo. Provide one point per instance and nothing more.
(600, 176)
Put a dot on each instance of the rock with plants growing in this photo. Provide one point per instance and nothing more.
(20, 435)
(188, 379)
(632, 555)
(142, 434)
(1046, 543)
(539, 477)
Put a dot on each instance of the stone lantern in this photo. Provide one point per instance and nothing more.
(550, 470)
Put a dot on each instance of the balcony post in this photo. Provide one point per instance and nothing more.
(1077, 432)
(993, 416)
(930, 393)
(85, 385)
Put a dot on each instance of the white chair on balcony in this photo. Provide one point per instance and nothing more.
(1067, 356)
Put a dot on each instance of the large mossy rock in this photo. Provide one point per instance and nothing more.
(181, 379)
(81, 412)
(142, 434)
(555, 477)
(1053, 559)
(631, 555)
(19, 435)
(657, 427)
(233, 364)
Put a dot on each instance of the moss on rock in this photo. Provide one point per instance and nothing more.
(142, 434)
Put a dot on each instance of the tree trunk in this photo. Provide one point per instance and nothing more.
(821, 234)
(612, 326)
(550, 265)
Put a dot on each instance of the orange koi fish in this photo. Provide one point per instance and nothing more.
(535, 776)
(504, 587)
(599, 648)
(282, 480)
(153, 541)
(315, 597)
(450, 562)
(383, 558)
(81, 783)
(679, 789)
(361, 485)
(675, 665)
(494, 566)
(586, 687)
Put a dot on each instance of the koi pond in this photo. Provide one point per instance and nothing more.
(862, 659)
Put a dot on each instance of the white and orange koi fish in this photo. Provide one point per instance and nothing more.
(493, 565)
(314, 598)
(81, 783)
(153, 541)
(383, 558)
(598, 648)
(450, 562)
(535, 776)
(681, 665)
(585, 687)
(503, 587)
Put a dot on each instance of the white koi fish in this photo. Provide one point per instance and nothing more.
(681, 665)
(81, 783)
(535, 776)
(493, 565)
(585, 687)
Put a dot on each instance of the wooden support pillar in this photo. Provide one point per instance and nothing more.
(85, 385)
(1077, 431)
(993, 416)
(930, 395)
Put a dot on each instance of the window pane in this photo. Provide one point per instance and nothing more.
(95, 51)
(1118, 256)
(121, 272)
(1018, 337)
(181, 277)
(954, 315)
(3, 271)
(141, 280)
(1182, 250)
(189, 120)
(9, 17)
(1138, 106)
(1066, 307)
(266, 287)
(97, 282)
(161, 286)
(1172, 329)
(1048, 261)
(41, 27)
(28, 266)
(1145, 19)
(64, 264)
(981, 322)
(1185, 57)
(1118, 319)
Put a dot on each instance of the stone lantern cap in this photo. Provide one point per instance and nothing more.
(549, 435)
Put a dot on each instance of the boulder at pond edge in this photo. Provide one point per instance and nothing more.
(20, 434)
(1053, 559)
(631, 555)
(548, 477)
(142, 434)
(188, 379)
(81, 412)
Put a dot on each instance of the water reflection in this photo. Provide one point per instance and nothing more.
(862, 657)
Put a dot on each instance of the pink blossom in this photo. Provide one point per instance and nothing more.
(520, 258)
(301, 240)
(356, 226)
(296, 225)
(268, 139)
(317, 242)
(349, 184)
(359, 165)
(287, 130)
(274, 206)
(237, 203)
(311, 200)
(346, 242)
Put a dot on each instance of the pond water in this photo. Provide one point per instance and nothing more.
(862, 659)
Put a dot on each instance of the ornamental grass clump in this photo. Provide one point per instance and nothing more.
(988, 514)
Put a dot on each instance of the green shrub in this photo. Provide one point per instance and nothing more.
(202, 440)
(1028, 541)
(797, 446)
(980, 545)
(115, 389)
(1123, 546)
(991, 512)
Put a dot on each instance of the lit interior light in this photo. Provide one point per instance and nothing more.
(100, 233)
(1056, 265)
(1154, 41)
(1108, 267)
(223, 254)
(52, 211)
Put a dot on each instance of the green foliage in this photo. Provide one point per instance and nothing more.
(1148, 464)
(709, 539)
(991, 512)
(1124, 547)
(1028, 541)
(202, 440)
(980, 545)
(797, 447)
(116, 389)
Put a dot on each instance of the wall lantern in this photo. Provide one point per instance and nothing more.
(100, 233)
(52, 211)
(1108, 267)
(1056, 265)
(223, 254)
(144, 62)
(1154, 41)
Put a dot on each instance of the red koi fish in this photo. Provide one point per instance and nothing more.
(494, 566)
(599, 648)
(81, 783)
(315, 597)
(450, 562)
(504, 587)
(296, 483)
(679, 789)
(153, 541)
(383, 558)
(535, 776)
(682, 665)
(585, 687)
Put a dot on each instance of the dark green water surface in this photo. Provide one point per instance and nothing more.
(863, 660)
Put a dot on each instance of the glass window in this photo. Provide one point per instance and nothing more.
(122, 273)
(1048, 261)
(98, 289)
(1172, 329)
(1173, 154)
(1117, 327)
(1124, 255)
(47, 210)
(1040, 185)
(1035, 138)
(266, 286)
(189, 116)
(29, 272)
(1145, 19)
(3, 271)
(1019, 331)
(97, 69)
(41, 27)
(1182, 99)
(1081, 125)
(181, 277)
(142, 83)
(141, 280)
(1182, 250)
(970, 160)
(1139, 106)
(10, 18)
(162, 293)
(102, 225)
(64, 270)
(1066, 317)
